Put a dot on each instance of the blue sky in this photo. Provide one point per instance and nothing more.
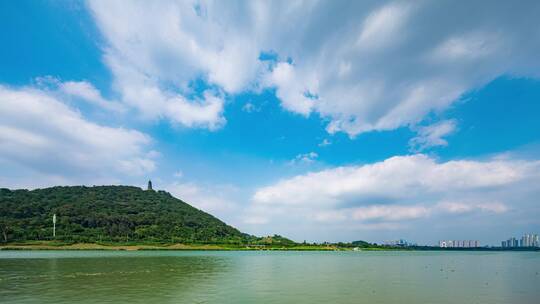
(320, 121)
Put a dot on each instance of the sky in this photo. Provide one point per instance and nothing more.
(316, 120)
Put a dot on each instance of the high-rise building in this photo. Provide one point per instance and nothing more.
(512, 243)
(459, 244)
(527, 240)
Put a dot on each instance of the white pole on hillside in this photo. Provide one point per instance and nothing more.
(54, 225)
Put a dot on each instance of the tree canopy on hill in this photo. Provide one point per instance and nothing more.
(361, 244)
(108, 213)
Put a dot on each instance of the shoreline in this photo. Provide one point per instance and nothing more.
(214, 247)
(179, 247)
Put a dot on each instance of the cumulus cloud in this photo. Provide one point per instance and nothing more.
(399, 190)
(79, 91)
(432, 135)
(294, 95)
(395, 178)
(361, 66)
(156, 50)
(144, 93)
(87, 92)
(40, 133)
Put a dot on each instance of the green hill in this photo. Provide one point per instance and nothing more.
(108, 214)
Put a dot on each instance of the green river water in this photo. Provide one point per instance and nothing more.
(269, 277)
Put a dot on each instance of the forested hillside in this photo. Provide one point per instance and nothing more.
(108, 213)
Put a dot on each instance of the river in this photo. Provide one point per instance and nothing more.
(269, 277)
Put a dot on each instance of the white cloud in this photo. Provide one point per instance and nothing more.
(383, 26)
(293, 94)
(144, 93)
(205, 112)
(432, 135)
(41, 134)
(395, 212)
(395, 178)
(155, 50)
(361, 66)
(398, 191)
(471, 46)
(464, 207)
(87, 92)
(78, 90)
(389, 212)
(306, 158)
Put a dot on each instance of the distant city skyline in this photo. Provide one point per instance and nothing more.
(319, 120)
(527, 240)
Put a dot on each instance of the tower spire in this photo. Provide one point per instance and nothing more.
(149, 185)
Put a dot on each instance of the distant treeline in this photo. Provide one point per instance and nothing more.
(112, 214)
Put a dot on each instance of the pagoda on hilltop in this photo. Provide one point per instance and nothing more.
(149, 185)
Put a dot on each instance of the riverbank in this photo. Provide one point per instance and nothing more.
(56, 245)
(104, 246)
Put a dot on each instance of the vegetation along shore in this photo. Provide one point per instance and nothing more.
(130, 218)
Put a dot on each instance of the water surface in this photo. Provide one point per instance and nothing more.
(268, 277)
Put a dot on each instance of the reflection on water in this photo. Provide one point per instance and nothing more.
(269, 277)
(113, 279)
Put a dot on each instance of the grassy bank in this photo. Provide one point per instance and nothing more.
(60, 245)
(51, 245)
